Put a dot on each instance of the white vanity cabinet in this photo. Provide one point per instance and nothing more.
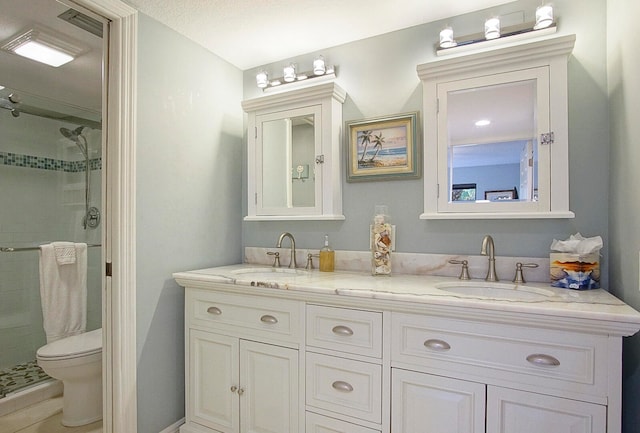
(287, 358)
(242, 364)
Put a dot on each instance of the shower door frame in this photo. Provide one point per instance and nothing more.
(118, 236)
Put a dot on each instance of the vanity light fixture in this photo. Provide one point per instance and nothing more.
(290, 75)
(446, 38)
(544, 17)
(543, 25)
(492, 28)
(43, 47)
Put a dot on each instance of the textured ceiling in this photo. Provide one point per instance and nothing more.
(249, 33)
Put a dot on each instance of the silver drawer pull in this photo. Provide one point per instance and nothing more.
(341, 386)
(542, 360)
(267, 318)
(438, 345)
(214, 310)
(342, 330)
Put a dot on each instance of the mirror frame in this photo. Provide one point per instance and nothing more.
(327, 99)
(550, 52)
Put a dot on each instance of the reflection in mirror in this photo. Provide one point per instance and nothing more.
(288, 162)
(492, 143)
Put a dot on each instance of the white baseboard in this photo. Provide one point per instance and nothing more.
(173, 428)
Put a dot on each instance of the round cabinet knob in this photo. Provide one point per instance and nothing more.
(542, 360)
(342, 330)
(342, 386)
(437, 345)
(214, 310)
(267, 318)
(240, 391)
(234, 388)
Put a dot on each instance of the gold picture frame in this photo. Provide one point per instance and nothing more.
(383, 148)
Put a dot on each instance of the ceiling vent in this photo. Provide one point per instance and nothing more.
(82, 21)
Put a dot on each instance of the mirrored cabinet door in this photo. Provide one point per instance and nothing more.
(488, 127)
(293, 158)
(287, 176)
(496, 132)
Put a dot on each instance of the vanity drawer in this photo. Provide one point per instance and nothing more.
(254, 316)
(345, 386)
(560, 360)
(345, 330)
(323, 424)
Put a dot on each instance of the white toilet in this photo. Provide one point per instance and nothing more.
(77, 362)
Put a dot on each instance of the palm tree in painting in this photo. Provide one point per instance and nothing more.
(378, 140)
(366, 139)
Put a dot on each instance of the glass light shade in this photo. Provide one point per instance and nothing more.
(319, 67)
(289, 73)
(43, 54)
(544, 17)
(492, 28)
(262, 79)
(446, 38)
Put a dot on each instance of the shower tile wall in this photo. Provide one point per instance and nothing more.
(42, 196)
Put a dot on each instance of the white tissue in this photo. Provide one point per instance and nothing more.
(577, 244)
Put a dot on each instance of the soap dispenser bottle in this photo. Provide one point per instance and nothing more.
(327, 257)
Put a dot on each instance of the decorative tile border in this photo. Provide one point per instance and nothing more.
(28, 161)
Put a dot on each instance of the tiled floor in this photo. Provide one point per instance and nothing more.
(43, 417)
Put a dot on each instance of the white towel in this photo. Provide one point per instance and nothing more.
(63, 291)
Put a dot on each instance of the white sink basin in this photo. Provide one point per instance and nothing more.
(502, 291)
(268, 274)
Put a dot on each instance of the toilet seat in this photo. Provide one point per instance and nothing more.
(76, 346)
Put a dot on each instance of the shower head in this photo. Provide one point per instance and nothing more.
(72, 134)
(76, 136)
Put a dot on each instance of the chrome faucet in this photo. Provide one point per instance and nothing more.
(292, 262)
(488, 248)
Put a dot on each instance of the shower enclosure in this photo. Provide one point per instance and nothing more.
(50, 177)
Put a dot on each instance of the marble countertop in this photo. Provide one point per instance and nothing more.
(530, 298)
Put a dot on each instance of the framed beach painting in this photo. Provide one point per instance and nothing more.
(383, 148)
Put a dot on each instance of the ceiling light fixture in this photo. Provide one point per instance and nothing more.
(319, 70)
(43, 47)
(483, 122)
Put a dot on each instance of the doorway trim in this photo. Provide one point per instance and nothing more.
(118, 238)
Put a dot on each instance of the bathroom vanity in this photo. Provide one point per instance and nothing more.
(286, 350)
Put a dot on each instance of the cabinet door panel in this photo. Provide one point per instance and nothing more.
(269, 388)
(427, 403)
(509, 410)
(213, 371)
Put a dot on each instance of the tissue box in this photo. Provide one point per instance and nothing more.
(575, 271)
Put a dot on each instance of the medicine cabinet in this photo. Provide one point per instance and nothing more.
(293, 158)
(496, 132)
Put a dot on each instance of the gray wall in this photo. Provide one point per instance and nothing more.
(624, 231)
(188, 208)
(379, 75)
